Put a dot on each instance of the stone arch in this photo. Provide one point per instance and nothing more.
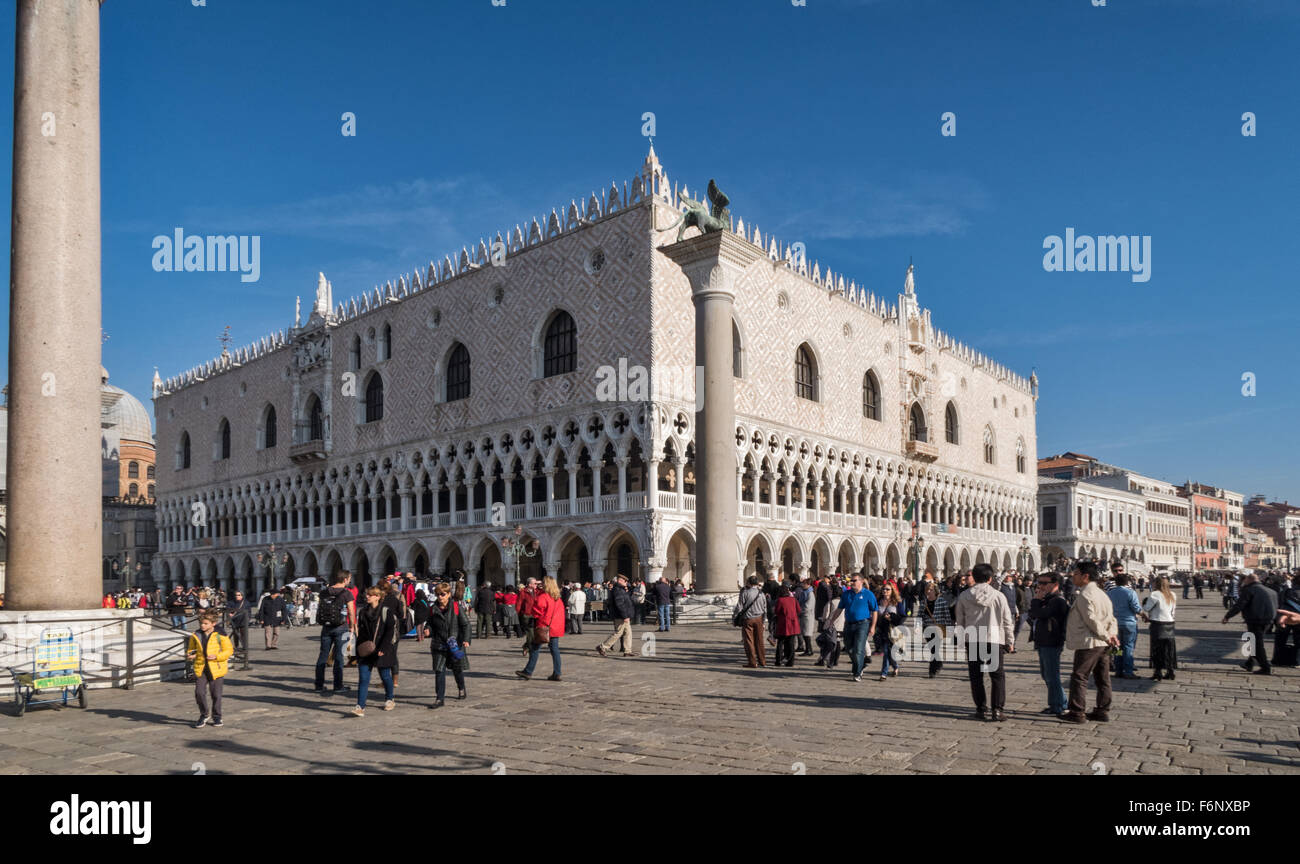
(870, 557)
(848, 557)
(949, 562)
(622, 554)
(964, 563)
(679, 555)
(820, 559)
(794, 554)
(893, 560)
(759, 555)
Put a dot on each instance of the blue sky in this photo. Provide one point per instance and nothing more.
(822, 123)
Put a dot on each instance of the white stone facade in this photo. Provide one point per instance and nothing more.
(1168, 519)
(601, 477)
(1086, 519)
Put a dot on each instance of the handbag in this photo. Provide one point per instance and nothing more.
(370, 646)
(738, 620)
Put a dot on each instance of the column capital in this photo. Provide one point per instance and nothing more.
(713, 262)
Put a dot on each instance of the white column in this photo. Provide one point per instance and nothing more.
(622, 462)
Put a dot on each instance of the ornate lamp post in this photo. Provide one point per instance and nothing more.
(1021, 562)
(918, 544)
(269, 560)
(517, 549)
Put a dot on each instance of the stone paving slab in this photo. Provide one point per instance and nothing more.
(689, 708)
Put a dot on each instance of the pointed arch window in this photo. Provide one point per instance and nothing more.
(386, 343)
(1020, 456)
(458, 373)
(374, 398)
(312, 428)
(805, 373)
(990, 453)
(916, 430)
(183, 451)
(870, 396)
(737, 357)
(560, 346)
(354, 356)
(269, 433)
(224, 435)
(951, 431)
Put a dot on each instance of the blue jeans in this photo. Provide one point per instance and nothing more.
(534, 650)
(665, 616)
(1049, 666)
(385, 675)
(178, 621)
(333, 639)
(1128, 637)
(888, 662)
(855, 638)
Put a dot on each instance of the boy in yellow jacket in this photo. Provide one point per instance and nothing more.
(208, 650)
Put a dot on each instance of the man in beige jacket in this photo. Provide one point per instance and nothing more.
(984, 625)
(1090, 632)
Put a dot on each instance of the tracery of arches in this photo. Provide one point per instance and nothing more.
(619, 444)
(784, 467)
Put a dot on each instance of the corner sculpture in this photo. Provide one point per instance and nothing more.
(697, 215)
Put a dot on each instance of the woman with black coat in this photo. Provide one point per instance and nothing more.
(448, 620)
(421, 612)
(377, 627)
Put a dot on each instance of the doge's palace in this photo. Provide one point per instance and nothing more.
(540, 387)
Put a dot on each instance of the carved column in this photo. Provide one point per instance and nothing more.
(713, 263)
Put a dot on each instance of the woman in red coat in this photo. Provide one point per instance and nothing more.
(785, 626)
(548, 611)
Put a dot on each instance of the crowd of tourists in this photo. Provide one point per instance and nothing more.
(975, 618)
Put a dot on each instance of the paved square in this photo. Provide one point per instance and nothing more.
(689, 708)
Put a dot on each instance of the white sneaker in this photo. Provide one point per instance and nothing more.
(359, 711)
(390, 705)
(857, 677)
(884, 677)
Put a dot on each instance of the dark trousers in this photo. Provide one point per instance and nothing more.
(575, 624)
(1090, 663)
(785, 648)
(997, 670)
(331, 641)
(205, 687)
(755, 649)
(1261, 653)
(441, 661)
(806, 641)
(483, 620)
(1285, 641)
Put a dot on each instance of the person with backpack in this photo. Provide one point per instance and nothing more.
(337, 616)
(377, 635)
(548, 624)
(394, 601)
(208, 651)
(448, 632)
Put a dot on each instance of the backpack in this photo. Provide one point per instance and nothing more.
(332, 611)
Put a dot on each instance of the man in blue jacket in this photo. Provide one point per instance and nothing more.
(1124, 600)
(860, 610)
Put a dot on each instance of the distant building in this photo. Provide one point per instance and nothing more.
(1281, 522)
(1082, 519)
(1168, 516)
(1212, 542)
(130, 527)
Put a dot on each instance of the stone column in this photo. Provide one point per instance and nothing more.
(55, 512)
(622, 481)
(713, 263)
(597, 572)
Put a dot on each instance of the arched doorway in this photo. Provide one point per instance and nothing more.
(758, 557)
(846, 557)
(452, 560)
(680, 557)
(575, 563)
(361, 576)
(490, 566)
(871, 559)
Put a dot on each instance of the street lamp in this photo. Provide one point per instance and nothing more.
(1022, 563)
(269, 559)
(517, 549)
(918, 544)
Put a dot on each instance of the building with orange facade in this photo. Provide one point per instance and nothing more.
(1211, 535)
